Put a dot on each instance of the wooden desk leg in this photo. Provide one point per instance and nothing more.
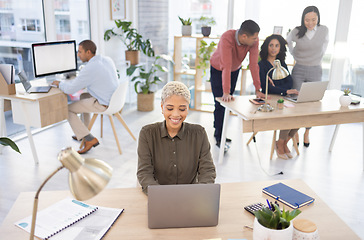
(334, 137)
(2, 122)
(30, 137)
(295, 145)
(273, 144)
(251, 138)
(223, 135)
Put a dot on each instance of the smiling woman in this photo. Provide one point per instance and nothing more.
(173, 151)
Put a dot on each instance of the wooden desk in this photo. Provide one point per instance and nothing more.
(133, 223)
(34, 110)
(325, 112)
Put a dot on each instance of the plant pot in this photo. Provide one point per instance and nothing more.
(206, 31)
(186, 30)
(260, 232)
(132, 56)
(345, 100)
(145, 102)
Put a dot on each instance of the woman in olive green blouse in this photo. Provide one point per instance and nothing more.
(173, 151)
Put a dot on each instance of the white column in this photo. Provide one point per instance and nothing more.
(50, 20)
(340, 55)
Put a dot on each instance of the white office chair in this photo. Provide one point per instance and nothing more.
(115, 106)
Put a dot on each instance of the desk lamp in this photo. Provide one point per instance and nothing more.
(87, 178)
(279, 73)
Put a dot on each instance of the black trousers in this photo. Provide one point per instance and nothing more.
(216, 87)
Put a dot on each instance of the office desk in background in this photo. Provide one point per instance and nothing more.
(34, 110)
(325, 112)
(133, 222)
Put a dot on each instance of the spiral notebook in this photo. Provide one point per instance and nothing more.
(57, 217)
(287, 195)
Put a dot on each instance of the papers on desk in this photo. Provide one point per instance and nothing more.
(71, 219)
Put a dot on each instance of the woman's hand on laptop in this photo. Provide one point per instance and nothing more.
(292, 91)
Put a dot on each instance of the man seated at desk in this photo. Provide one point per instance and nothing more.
(173, 151)
(99, 77)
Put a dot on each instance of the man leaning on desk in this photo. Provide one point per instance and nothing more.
(99, 77)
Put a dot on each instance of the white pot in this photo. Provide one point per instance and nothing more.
(186, 30)
(261, 233)
(345, 100)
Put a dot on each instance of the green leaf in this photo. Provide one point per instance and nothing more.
(8, 142)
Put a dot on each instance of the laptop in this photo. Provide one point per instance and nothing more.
(28, 87)
(183, 205)
(310, 92)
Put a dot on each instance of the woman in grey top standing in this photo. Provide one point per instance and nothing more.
(173, 151)
(311, 40)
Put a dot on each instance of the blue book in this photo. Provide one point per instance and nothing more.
(287, 195)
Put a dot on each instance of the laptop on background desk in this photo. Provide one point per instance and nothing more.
(28, 87)
(183, 205)
(310, 92)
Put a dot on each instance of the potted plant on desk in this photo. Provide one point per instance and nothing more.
(345, 99)
(133, 41)
(274, 224)
(145, 80)
(8, 142)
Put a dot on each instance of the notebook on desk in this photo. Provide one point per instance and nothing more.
(28, 87)
(183, 205)
(310, 92)
(287, 195)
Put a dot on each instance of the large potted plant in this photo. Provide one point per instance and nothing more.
(206, 23)
(8, 142)
(274, 224)
(133, 41)
(145, 79)
(186, 26)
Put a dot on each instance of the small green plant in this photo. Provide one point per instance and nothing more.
(276, 219)
(8, 142)
(185, 21)
(205, 52)
(147, 77)
(347, 91)
(130, 37)
(281, 100)
(207, 21)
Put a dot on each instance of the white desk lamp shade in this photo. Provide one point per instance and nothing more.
(279, 73)
(87, 177)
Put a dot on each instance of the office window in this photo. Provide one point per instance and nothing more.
(30, 25)
(354, 76)
(68, 15)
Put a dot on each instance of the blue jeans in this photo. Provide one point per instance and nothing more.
(216, 87)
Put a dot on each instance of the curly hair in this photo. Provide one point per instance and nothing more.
(175, 88)
(282, 51)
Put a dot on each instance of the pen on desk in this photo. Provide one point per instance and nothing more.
(269, 205)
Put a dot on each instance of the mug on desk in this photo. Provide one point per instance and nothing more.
(305, 229)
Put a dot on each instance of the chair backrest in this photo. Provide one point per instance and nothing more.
(117, 100)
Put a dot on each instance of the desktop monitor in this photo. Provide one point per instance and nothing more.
(51, 58)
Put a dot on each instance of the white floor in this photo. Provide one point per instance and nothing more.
(337, 177)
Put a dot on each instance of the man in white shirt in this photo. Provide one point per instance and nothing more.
(99, 77)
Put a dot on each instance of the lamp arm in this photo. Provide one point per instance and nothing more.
(266, 84)
(35, 205)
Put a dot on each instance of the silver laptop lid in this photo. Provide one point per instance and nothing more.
(24, 80)
(183, 205)
(311, 92)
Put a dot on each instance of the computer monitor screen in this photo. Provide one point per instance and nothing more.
(54, 57)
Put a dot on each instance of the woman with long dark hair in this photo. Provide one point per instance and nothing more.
(274, 47)
(311, 40)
